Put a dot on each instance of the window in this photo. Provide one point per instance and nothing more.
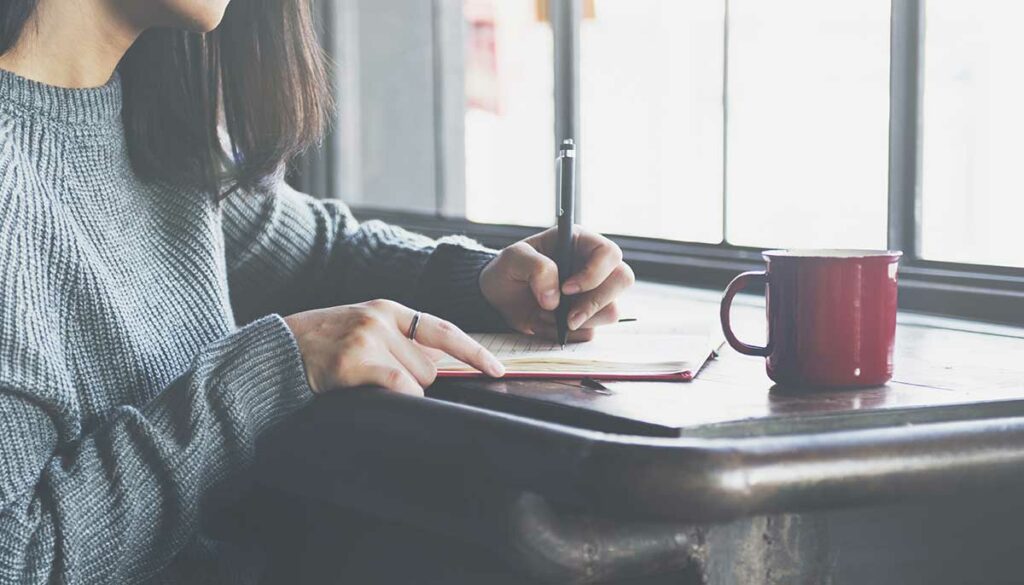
(652, 118)
(972, 187)
(808, 92)
(510, 117)
(708, 130)
(653, 82)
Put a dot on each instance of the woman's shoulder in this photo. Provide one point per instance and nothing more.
(18, 180)
(13, 159)
(8, 154)
(19, 217)
(20, 272)
(29, 229)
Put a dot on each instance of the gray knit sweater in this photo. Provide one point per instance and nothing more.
(141, 348)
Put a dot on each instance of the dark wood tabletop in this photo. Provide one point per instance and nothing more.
(879, 477)
(952, 418)
(942, 366)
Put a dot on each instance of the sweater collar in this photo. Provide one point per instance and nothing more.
(92, 106)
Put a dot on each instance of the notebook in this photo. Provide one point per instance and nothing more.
(629, 355)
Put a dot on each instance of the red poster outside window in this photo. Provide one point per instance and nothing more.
(482, 79)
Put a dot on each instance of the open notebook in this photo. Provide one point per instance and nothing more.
(615, 356)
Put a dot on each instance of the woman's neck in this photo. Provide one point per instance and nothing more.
(71, 44)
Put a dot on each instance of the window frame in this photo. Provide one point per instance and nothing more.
(974, 291)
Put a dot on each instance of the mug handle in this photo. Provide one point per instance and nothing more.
(738, 284)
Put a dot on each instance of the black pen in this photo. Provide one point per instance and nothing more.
(565, 209)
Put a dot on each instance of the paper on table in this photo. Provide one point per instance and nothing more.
(629, 353)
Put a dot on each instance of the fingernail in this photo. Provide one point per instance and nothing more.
(496, 368)
(575, 320)
(571, 288)
(550, 297)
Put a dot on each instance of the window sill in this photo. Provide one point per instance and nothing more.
(962, 291)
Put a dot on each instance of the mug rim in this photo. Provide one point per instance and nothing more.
(831, 253)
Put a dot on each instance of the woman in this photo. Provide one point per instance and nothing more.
(148, 250)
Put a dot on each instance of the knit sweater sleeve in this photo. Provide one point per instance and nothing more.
(119, 502)
(288, 252)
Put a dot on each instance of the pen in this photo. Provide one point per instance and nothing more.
(595, 386)
(564, 208)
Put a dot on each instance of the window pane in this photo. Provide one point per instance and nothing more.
(972, 188)
(510, 113)
(808, 123)
(651, 93)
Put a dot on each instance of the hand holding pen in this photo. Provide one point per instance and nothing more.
(565, 210)
(523, 283)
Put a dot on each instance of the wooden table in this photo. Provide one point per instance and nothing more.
(911, 482)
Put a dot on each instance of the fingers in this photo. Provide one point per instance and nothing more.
(434, 355)
(436, 333)
(414, 359)
(544, 325)
(609, 315)
(588, 305)
(548, 331)
(602, 257)
(441, 334)
(389, 374)
(367, 344)
(529, 265)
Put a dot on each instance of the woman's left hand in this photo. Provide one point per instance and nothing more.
(522, 284)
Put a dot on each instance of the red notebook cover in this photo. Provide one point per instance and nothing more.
(684, 376)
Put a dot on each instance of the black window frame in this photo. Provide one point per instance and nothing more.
(973, 291)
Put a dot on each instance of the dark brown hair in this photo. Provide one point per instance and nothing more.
(220, 111)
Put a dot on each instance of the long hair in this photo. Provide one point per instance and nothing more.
(220, 111)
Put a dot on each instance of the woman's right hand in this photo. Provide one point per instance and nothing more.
(366, 344)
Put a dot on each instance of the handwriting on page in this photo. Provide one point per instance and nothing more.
(621, 353)
(505, 345)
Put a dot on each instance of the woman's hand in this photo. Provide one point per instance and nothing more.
(522, 283)
(357, 345)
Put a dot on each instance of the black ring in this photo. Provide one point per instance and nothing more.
(412, 328)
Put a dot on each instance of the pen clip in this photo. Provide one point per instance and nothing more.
(567, 150)
(559, 209)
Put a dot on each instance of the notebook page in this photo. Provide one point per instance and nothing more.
(627, 352)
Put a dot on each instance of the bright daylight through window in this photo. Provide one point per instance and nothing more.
(510, 118)
(653, 122)
(753, 123)
(651, 106)
(972, 190)
(808, 112)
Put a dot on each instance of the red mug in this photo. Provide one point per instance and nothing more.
(831, 316)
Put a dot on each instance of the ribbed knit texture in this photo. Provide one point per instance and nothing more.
(127, 389)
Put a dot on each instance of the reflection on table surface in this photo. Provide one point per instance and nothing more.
(939, 363)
